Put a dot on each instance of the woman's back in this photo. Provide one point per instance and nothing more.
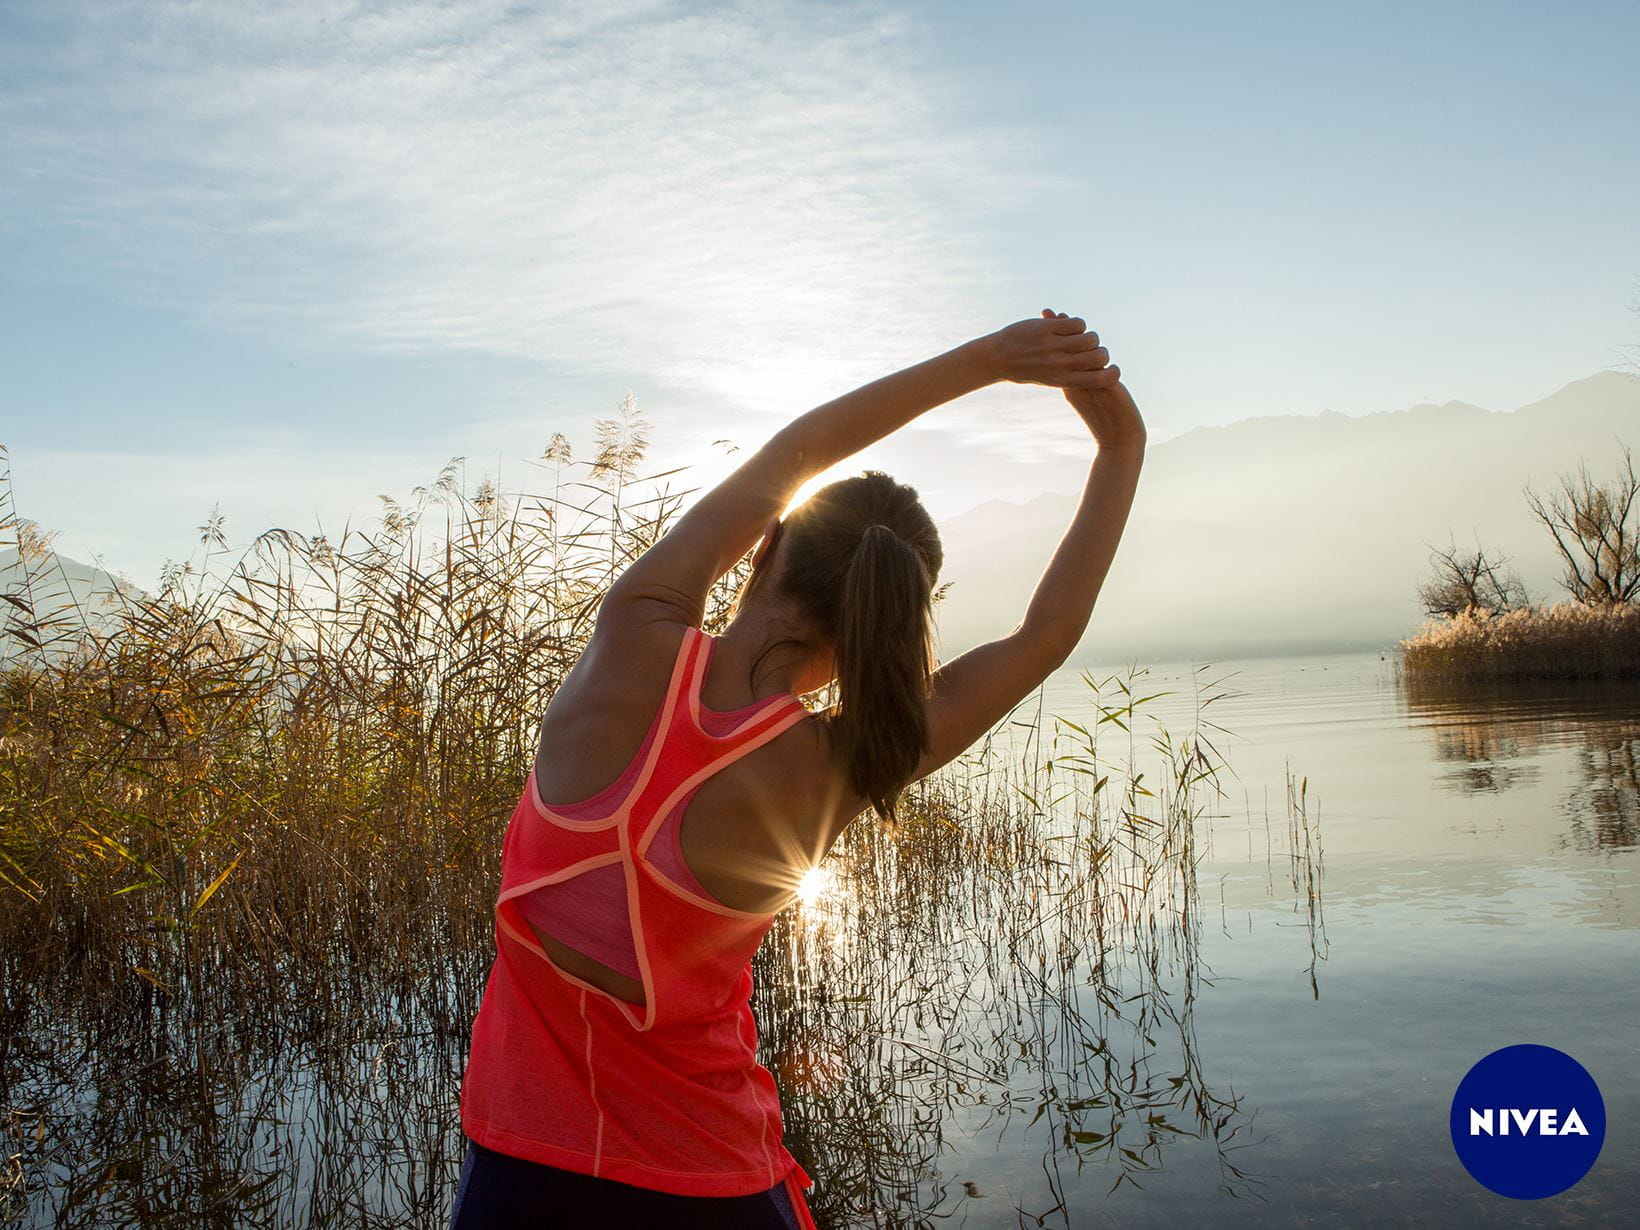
(661, 1089)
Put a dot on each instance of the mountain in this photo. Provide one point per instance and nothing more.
(54, 588)
(1296, 533)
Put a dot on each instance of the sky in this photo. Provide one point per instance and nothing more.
(282, 258)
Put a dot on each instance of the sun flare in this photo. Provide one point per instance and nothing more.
(816, 883)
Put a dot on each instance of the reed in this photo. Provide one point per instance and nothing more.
(1568, 640)
(1022, 959)
(293, 765)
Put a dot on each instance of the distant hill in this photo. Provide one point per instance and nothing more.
(1296, 533)
(55, 586)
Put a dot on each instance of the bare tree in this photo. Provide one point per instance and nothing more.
(1597, 532)
(1467, 580)
(1631, 352)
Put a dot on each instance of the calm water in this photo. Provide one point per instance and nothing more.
(1259, 1019)
(1480, 888)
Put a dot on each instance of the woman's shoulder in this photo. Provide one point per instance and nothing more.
(639, 624)
(625, 653)
(607, 698)
(626, 666)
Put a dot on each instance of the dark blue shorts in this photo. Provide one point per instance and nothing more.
(498, 1192)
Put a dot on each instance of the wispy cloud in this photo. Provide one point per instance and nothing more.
(748, 201)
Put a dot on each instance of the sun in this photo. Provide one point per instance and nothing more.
(816, 883)
(811, 486)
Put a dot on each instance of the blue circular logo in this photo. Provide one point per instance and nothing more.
(1528, 1121)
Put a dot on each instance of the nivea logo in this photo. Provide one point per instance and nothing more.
(1528, 1121)
(1541, 1119)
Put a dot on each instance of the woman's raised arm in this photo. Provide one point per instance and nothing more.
(674, 576)
(973, 692)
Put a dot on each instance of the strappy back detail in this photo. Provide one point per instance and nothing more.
(689, 671)
(587, 901)
(666, 1093)
(608, 805)
(725, 723)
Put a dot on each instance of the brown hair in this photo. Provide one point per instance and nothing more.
(860, 560)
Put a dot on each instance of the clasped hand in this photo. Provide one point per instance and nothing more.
(1059, 351)
(1053, 349)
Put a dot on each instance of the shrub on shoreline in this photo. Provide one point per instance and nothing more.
(1568, 640)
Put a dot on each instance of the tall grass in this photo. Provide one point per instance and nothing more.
(293, 765)
(1023, 961)
(1567, 640)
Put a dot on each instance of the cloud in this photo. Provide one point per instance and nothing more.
(755, 203)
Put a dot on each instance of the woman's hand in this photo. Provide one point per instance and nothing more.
(1111, 416)
(1108, 409)
(1053, 349)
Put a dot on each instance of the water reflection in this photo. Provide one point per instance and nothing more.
(1504, 737)
(137, 1114)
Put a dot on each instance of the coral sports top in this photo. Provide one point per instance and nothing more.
(667, 1094)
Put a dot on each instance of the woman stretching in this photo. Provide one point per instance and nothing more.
(682, 788)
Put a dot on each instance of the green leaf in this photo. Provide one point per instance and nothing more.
(216, 884)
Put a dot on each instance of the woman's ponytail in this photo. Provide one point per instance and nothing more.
(861, 559)
(883, 663)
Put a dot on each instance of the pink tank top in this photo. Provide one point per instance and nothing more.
(667, 1094)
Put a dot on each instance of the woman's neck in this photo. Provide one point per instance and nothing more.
(769, 649)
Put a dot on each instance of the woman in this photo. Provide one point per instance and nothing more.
(682, 788)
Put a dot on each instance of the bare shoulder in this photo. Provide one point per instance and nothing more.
(625, 657)
(752, 832)
(601, 710)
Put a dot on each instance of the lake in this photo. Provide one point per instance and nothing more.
(1481, 887)
(1231, 977)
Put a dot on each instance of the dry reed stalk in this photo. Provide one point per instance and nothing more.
(291, 769)
(1565, 641)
